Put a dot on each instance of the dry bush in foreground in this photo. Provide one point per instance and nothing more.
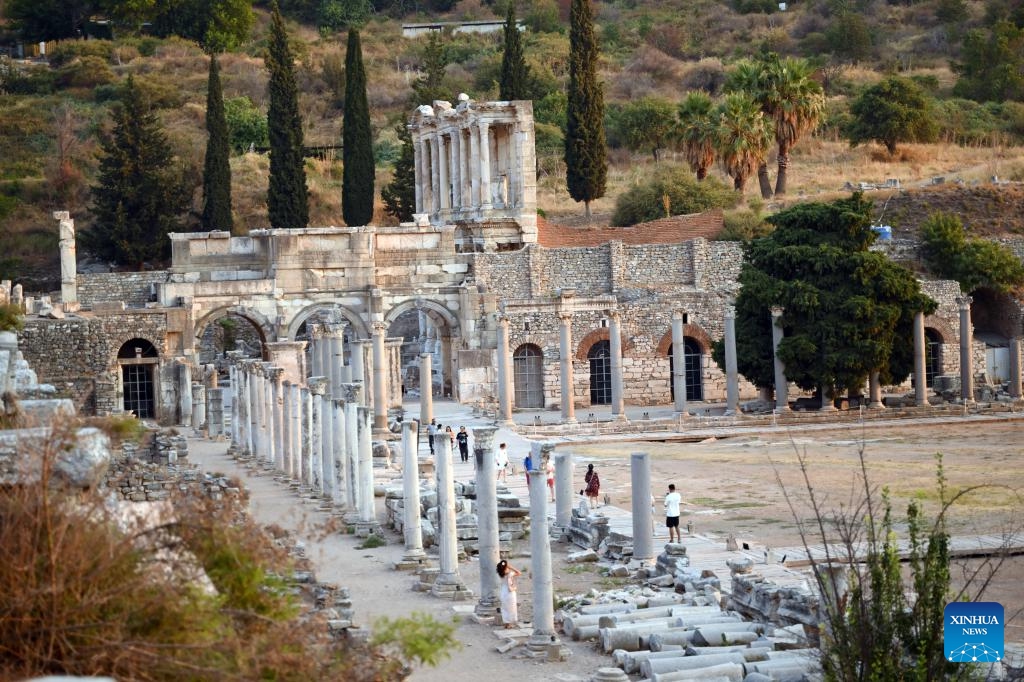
(186, 590)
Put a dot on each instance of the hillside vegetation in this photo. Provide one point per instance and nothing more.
(52, 111)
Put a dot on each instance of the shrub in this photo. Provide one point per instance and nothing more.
(247, 125)
(677, 187)
(85, 72)
(744, 225)
(972, 262)
(11, 318)
(67, 51)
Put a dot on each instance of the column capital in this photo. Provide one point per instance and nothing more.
(380, 328)
(483, 437)
(964, 301)
(565, 317)
(274, 373)
(287, 384)
(353, 393)
(730, 312)
(613, 314)
(777, 311)
(677, 315)
(503, 321)
(317, 385)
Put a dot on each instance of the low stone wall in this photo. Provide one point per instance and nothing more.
(133, 288)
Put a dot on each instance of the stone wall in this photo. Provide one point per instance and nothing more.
(133, 288)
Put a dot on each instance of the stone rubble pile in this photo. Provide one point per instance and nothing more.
(587, 529)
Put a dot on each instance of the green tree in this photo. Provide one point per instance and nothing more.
(430, 86)
(849, 36)
(357, 140)
(335, 15)
(973, 262)
(216, 169)
(671, 191)
(39, 20)
(515, 74)
(400, 194)
(698, 130)
(287, 199)
(743, 137)
(848, 311)
(217, 25)
(140, 194)
(992, 64)
(893, 111)
(586, 163)
(247, 125)
(649, 124)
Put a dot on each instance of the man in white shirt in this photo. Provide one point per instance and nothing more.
(501, 461)
(672, 502)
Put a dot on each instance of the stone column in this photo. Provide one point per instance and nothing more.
(1015, 387)
(353, 396)
(426, 390)
(643, 528)
(306, 452)
(233, 381)
(355, 359)
(68, 264)
(732, 386)
(504, 374)
(418, 173)
(253, 382)
(435, 174)
(425, 181)
(827, 399)
(380, 378)
(242, 398)
(336, 334)
(277, 415)
(678, 364)
(198, 406)
(184, 393)
(781, 383)
(565, 358)
(449, 582)
(920, 362)
(474, 170)
(339, 490)
(543, 635)
(563, 489)
(215, 422)
(875, 389)
(615, 346)
(286, 427)
(269, 435)
(487, 520)
(444, 159)
(317, 389)
(327, 444)
(412, 529)
(485, 165)
(367, 512)
(966, 356)
(295, 469)
(456, 169)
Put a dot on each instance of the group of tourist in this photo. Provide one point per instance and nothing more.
(461, 438)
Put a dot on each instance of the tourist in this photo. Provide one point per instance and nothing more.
(527, 465)
(593, 482)
(463, 439)
(451, 437)
(431, 432)
(549, 469)
(672, 502)
(501, 461)
(509, 598)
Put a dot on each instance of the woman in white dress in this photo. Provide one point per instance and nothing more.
(509, 598)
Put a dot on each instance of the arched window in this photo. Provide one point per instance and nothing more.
(138, 359)
(600, 357)
(693, 369)
(528, 371)
(932, 356)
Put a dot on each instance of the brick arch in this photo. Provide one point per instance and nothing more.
(695, 332)
(599, 334)
(944, 328)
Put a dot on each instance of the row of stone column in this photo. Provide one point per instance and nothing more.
(320, 441)
(453, 169)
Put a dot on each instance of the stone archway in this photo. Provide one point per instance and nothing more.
(356, 325)
(138, 381)
(426, 326)
(254, 337)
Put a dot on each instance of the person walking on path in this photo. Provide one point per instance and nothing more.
(509, 597)
(431, 432)
(527, 465)
(501, 462)
(672, 502)
(463, 439)
(549, 470)
(593, 489)
(451, 437)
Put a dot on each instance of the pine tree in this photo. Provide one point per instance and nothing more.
(515, 74)
(586, 165)
(400, 194)
(287, 200)
(216, 169)
(430, 85)
(141, 194)
(357, 140)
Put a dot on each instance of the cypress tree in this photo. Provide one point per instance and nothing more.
(400, 194)
(216, 169)
(515, 73)
(287, 201)
(586, 165)
(357, 140)
(141, 194)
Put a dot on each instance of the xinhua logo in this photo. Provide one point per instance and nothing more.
(973, 632)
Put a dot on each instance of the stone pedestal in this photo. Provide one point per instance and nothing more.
(643, 529)
(487, 518)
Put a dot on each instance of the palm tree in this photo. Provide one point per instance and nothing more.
(751, 77)
(794, 102)
(744, 137)
(697, 128)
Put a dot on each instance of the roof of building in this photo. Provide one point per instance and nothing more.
(671, 230)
